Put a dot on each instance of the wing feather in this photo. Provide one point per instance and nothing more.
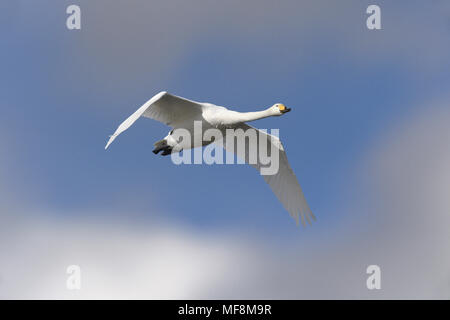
(284, 183)
(163, 107)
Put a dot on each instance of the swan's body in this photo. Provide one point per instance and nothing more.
(180, 113)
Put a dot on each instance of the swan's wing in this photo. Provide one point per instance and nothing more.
(163, 107)
(283, 183)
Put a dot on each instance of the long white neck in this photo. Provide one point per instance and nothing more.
(251, 116)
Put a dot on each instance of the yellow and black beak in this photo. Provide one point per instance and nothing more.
(283, 109)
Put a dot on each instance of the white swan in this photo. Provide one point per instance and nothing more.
(178, 112)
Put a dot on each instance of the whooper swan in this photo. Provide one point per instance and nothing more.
(178, 112)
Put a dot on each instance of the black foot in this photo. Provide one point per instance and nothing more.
(166, 150)
(158, 149)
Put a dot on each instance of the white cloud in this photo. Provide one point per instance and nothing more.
(116, 261)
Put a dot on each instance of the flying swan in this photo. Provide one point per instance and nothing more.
(178, 112)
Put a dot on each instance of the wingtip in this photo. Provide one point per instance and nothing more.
(160, 94)
(299, 217)
(111, 139)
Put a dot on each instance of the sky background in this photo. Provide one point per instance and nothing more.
(367, 138)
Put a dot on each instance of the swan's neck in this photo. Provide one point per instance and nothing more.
(251, 116)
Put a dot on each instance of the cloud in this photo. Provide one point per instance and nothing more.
(141, 45)
(116, 261)
(156, 37)
(408, 171)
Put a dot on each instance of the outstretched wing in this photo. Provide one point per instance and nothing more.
(283, 183)
(163, 107)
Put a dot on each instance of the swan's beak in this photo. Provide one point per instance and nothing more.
(285, 110)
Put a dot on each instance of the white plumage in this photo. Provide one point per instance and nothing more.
(178, 113)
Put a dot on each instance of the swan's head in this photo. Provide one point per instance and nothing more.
(278, 109)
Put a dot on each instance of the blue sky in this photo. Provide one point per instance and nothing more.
(65, 91)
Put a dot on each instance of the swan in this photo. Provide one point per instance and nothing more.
(178, 112)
